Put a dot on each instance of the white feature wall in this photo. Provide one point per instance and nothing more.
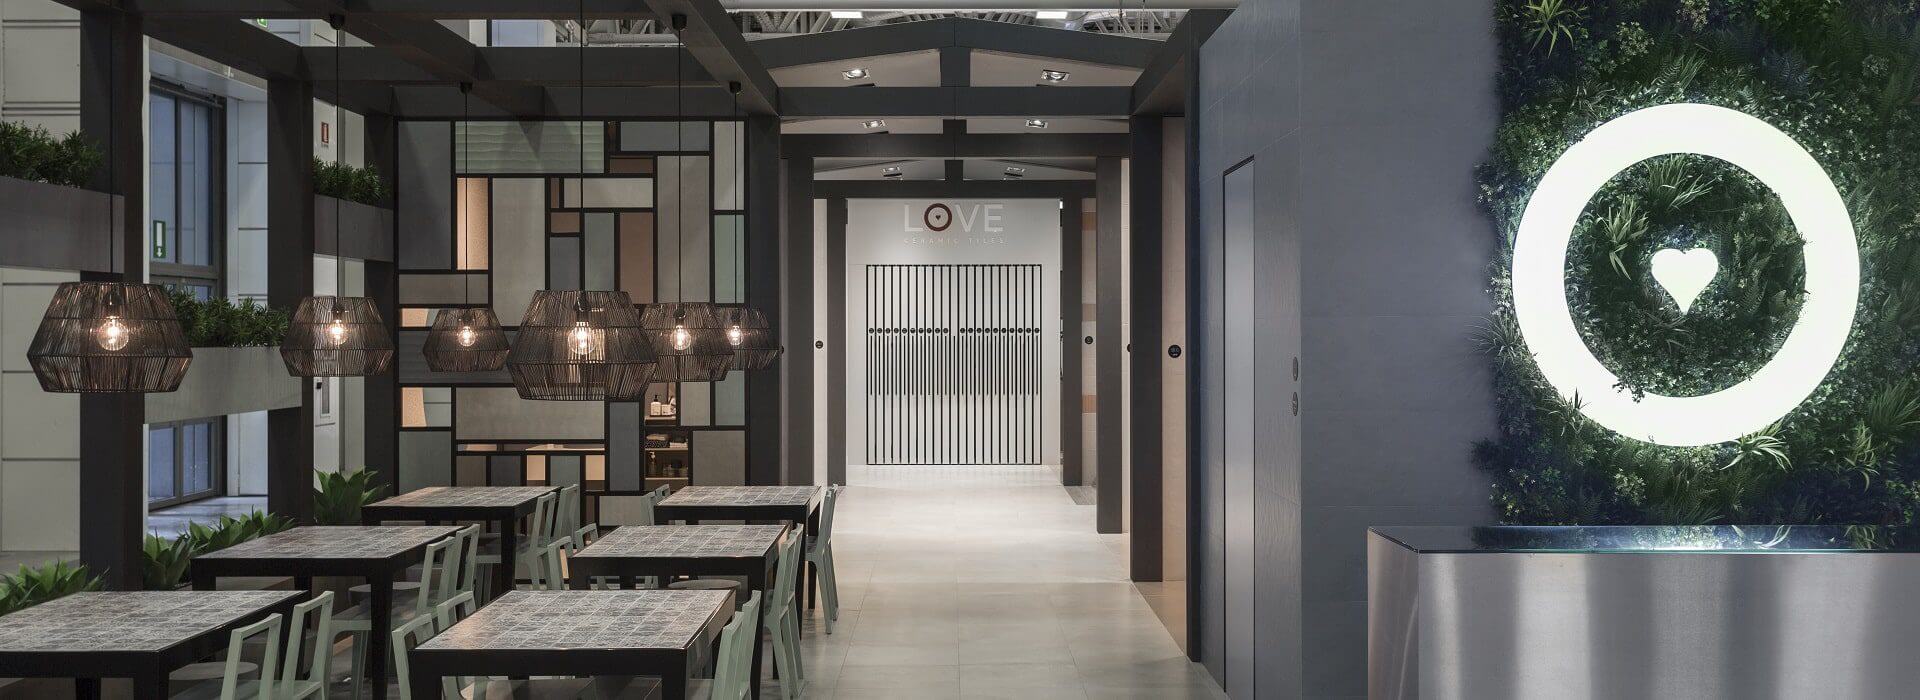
(39, 432)
(890, 231)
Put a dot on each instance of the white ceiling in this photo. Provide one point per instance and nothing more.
(903, 125)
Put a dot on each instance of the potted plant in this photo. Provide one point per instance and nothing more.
(165, 563)
(50, 219)
(340, 495)
(236, 362)
(362, 201)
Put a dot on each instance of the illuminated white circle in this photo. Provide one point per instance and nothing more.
(1812, 202)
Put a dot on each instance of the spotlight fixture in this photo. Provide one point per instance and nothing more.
(890, 169)
(1036, 123)
(1016, 170)
(854, 74)
(874, 124)
(892, 174)
(1050, 14)
(1054, 76)
(847, 14)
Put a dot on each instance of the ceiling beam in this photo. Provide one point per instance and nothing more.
(710, 34)
(948, 102)
(983, 35)
(955, 145)
(434, 48)
(636, 66)
(1162, 86)
(437, 101)
(418, 9)
(943, 189)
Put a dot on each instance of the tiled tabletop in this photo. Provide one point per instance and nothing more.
(679, 541)
(128, 621)
(465, 497)
(335, 542)
(560, 620)
(742, 496)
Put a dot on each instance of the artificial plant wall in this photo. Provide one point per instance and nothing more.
(1839, 76)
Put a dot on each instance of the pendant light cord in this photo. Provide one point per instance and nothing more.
(339, 157)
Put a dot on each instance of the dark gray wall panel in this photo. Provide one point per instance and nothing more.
(625, 460)
(424, 189)
(505, 471)
(426, 459)
(563, 262)
(597, 252)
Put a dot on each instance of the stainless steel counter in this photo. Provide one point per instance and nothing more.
(1497, 613)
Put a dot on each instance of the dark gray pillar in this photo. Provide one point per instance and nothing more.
(956, 66)
(797, 332)
(836, 234)
(112, 432)
(1072, 388)
(290, 277)
(765, 449)
(1144, 352)
(381, 428)
(1195, 322)
(1108, 340)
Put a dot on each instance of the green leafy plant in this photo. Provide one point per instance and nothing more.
(1842, 79)
(218, 323)
(164, 562)
(38, 584)
(30, 153)
(354, 184)
(340, 495)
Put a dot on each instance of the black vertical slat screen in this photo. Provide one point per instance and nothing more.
(953, 364)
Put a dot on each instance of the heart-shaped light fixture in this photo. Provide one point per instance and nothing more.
(1684, 274)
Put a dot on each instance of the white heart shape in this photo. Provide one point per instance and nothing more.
(1684, 273)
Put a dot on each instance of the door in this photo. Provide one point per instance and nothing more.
(1238, 418)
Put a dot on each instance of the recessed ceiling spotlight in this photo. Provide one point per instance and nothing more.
(847, 14)
(1015, 170)
(890, 169)
(891, 174)
(854, 73)
(1054, 76)
(1050, 14)
(1012, 176)
(1036, 123)
(873, 124)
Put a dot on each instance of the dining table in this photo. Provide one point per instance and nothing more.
(503, 506)
(380, 554)
(667, 634)
(138, 635)
(799, 504)
(632, 551)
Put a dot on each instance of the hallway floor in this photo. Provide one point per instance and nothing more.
(985, 582)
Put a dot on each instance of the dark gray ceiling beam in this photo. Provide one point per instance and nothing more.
(432, 46)
(562, 102)
(942, 189)
(245, 47)
(422, 9)
(954, 145)
(1040, 102)
(630, 66)
(1045, 42)
(712, 37)
(1162, 86)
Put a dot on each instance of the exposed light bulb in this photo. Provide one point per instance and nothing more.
(735, 335)
(337, 332)
(112, 335)
(580, 339)
(467, 336)
(681, 338)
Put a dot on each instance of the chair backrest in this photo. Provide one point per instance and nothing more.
(733, 666)
(541, 529)
(661, 493)
(584, 535)
(790, 553)
(453, 610)
(546, 573)
(320, 608)
(418, 630)
(269, 661)
(470, 557)
(438, 560)
(569, 516)
(826, 519)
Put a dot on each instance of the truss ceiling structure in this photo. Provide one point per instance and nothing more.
(758, 24)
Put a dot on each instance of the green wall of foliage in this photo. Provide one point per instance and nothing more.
(1842, 77)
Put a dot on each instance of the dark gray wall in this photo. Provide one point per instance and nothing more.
(1364, 122)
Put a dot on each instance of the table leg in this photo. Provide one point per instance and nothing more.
(423, 683)
(812, 578)
(152, 686)
(377, 638)
(673, 686)
(86, 689)
(202, 580)
(509, 546)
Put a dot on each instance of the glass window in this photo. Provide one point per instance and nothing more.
(184, 461)
(160, 482)
(186, 180)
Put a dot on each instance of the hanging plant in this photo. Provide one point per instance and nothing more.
(1842, 79)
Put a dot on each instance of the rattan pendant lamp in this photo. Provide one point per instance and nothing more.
(109, 337)
(688, 340)
(466, 339)
(336, 335)
(581, 345)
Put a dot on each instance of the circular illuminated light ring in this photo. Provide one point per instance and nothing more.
(1811, 201)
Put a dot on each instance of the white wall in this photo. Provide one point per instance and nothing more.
(877, 233)
(39, 432)
(346, 396)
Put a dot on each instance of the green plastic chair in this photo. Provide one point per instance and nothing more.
(733, 663)
(292, 686)
(357, 621)
(540, 531)
(820, 555)
(783, 617)
(231, 687)
(544, 570)
(405, 637)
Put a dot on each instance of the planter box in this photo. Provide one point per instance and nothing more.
(56, 227)
(224, 381)
(365, 233)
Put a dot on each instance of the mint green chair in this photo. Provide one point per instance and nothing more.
(405, 637)
(231, 687)
(540, 531)
(357, 621)
(820, 555)
(783, 617)
(733, 663)
(292, 686)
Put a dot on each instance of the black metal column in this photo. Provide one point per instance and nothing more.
(1144, 353)
(796, 330)
(112, 431)
(380, 428)
(1108, 341)
(290, 277)
(836, 234)
(1072, 389)
(765, 449)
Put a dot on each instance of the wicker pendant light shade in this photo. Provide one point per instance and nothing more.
(109, 337)
(466, 340)
(688, 340)
(337, 337)
(750, 336)
(581, 346)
